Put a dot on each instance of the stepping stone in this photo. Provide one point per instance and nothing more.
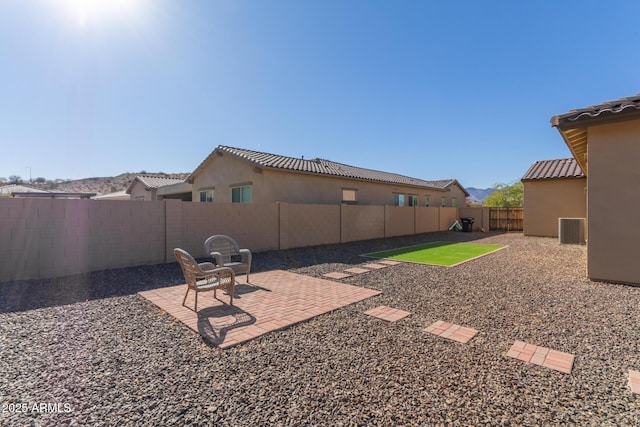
(542, 356)
(387, 313)
(336, 275)
(451, 331)
(634, 381)
(357, 270)
(389, 262)
(375, 266)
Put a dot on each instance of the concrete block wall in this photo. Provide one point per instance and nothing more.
(42, 238)
(309, 225)
(361, 222)
(399, 220)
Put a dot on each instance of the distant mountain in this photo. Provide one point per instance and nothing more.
(100, 185)
(478, 194)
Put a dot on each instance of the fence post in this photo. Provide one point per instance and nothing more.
(283, 221)
(172, 227)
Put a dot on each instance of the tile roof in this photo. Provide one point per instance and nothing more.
(553, 169)
(151, 182)
(605, 110)
(18, 188)
(322, 167)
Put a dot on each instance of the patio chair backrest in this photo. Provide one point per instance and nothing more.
(225, 245)
(189, 266)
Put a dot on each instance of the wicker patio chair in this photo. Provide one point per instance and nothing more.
(222, 248)
(204, 276)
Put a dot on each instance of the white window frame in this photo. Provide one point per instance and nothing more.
(206, 192)
(443, 201)
(398, 199)
(242, 189)
(427, 201)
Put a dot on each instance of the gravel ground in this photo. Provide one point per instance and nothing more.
(111, 358)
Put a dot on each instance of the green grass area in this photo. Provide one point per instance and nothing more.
(437, 253)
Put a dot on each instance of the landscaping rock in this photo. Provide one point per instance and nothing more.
(90, 344)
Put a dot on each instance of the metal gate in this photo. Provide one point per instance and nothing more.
(506, 219)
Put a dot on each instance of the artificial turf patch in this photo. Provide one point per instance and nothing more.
(437, 253)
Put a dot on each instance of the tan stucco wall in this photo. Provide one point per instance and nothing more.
(309, 225)
(138, 192)
(454, 192)
(480, 216)
(362, 222)
(42, 238)
(614, 202)
(547, 200)
(268, 185)
(222, 172)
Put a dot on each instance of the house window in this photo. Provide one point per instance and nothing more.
(398, 199)
(241, 194)
(206, 196)
(413, 200)
(454, 202)
(443, 201)
(349, 195)
(427, 201)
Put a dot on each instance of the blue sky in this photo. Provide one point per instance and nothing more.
(427, 89)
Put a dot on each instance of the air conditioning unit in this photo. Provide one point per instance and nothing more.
(571, 230)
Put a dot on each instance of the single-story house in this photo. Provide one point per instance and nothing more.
(238, 175)
(9, 189)
(21, 191)
(605, 142)
(157, 187)
(116, 195)
(553, 189)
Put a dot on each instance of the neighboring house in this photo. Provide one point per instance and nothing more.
(605, 141)
(237, 175)
(153, 187)
(7, 190)
(19, 190)
(116, 195)
(553, 189)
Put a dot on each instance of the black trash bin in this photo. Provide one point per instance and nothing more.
(467, 224)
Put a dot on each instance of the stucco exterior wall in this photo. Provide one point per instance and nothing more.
(454, 193)
(268, 185)
(614, 202)
(221, 173)
(138, 192)
(547, 200)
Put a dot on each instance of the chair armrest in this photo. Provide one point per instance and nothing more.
(224, 273)
(245, 255)
(206, 267)
(217, 256)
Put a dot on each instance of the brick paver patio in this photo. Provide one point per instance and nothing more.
(634, 381)
(376, 266)
(274, 300)
(451, 331)
(542, 356)
(389, 262)
(389, 314)
(357, 270)
(337, 275)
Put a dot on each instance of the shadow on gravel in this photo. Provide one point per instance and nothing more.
(22, 295)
